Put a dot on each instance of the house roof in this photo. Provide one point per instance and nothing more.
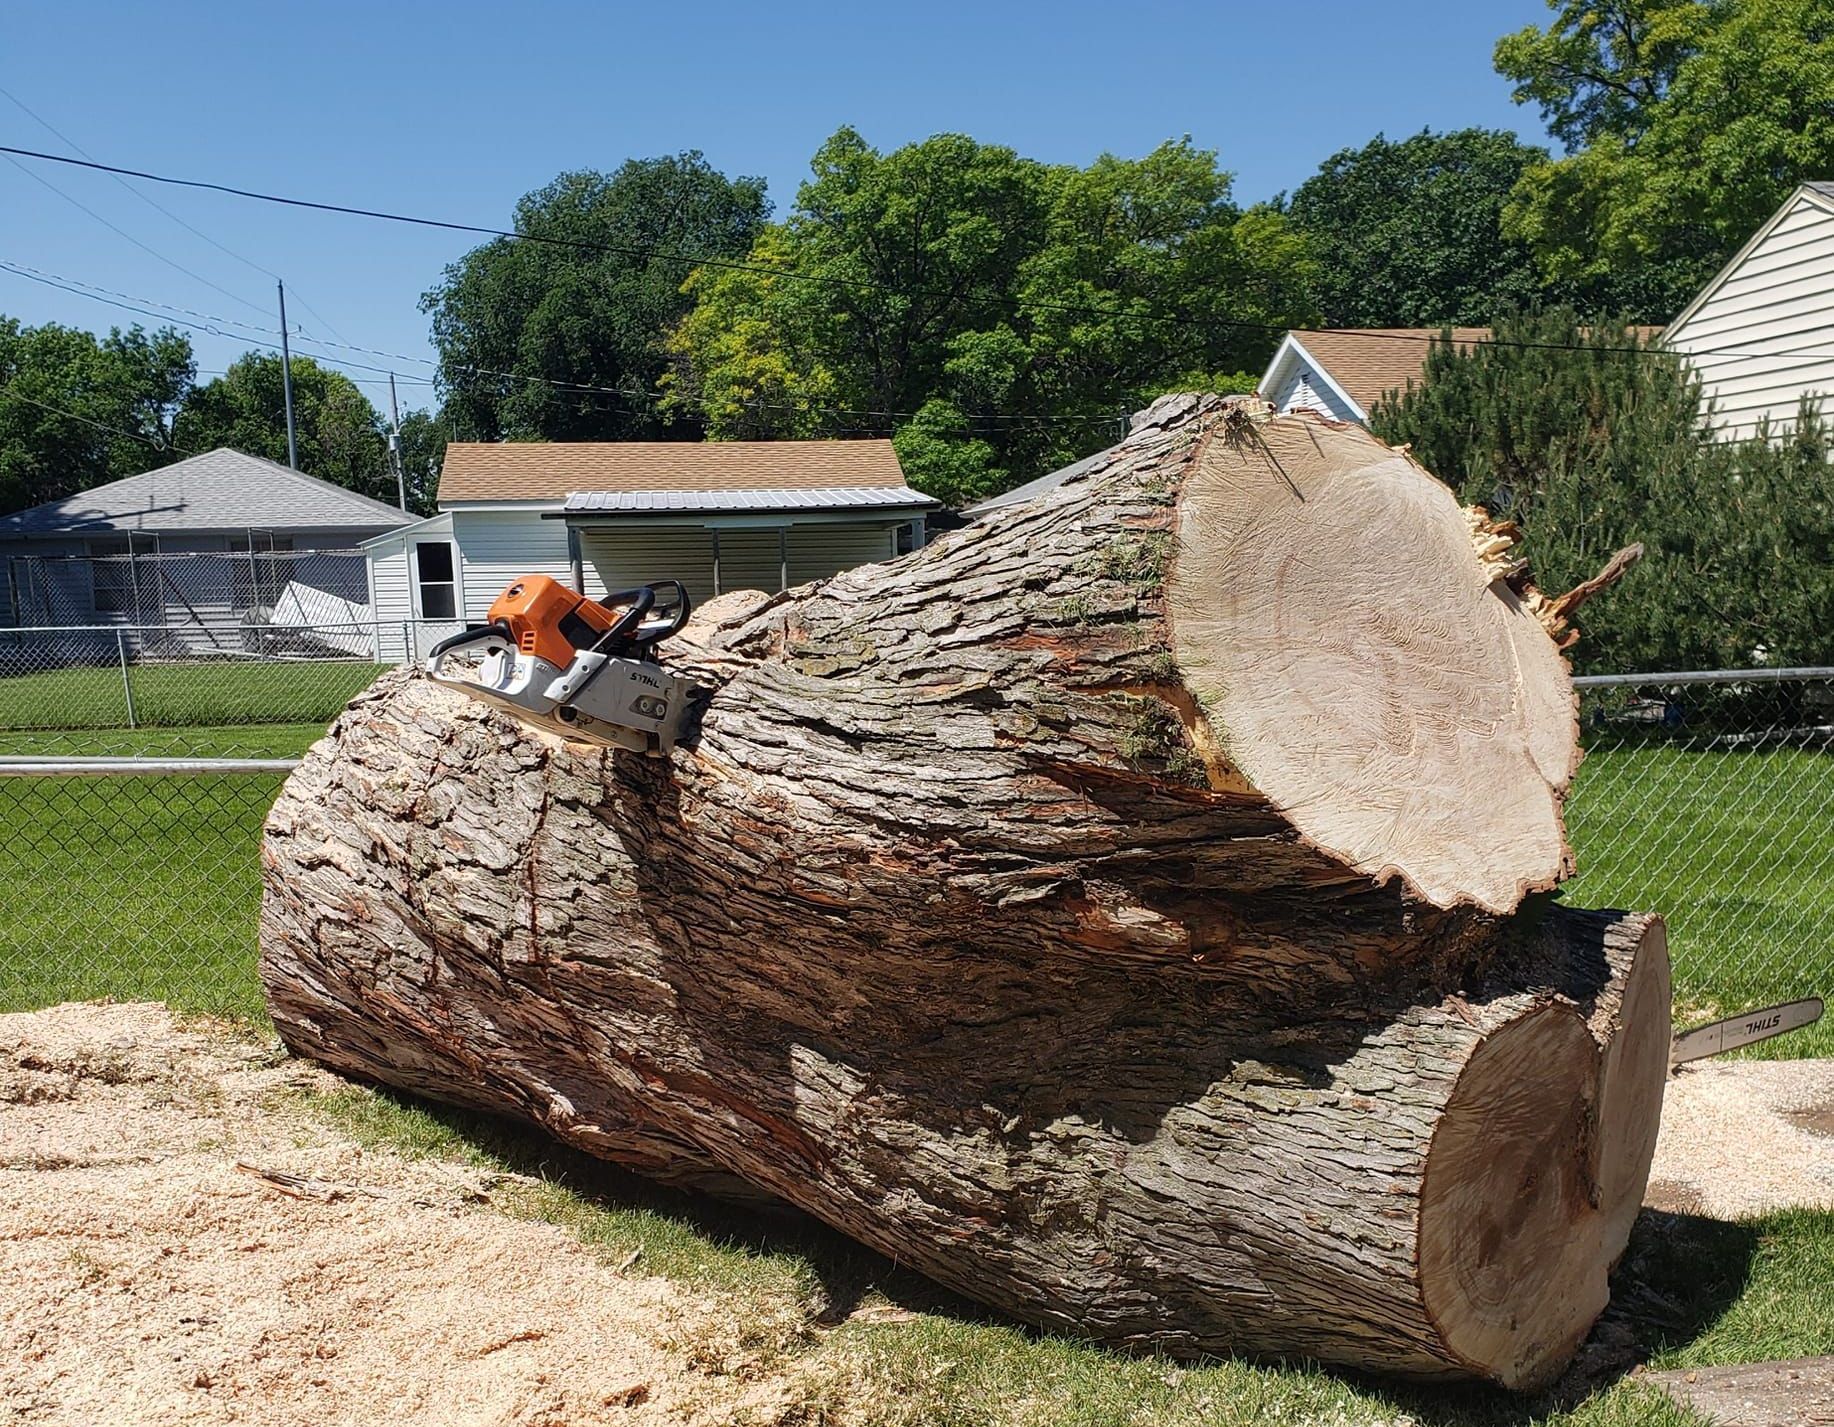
(219, 490)
(531, 470)
(1364, 363)
(831, 498)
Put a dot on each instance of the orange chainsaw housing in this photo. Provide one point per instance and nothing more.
(549, 620)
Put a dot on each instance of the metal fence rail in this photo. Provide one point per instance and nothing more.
(1708, 797)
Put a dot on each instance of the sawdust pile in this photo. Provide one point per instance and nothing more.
(145, 1278)
(1741, 1137)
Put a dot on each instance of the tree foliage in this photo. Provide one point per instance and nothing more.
(996, 313)
(119, 394)
(1593, 442)
(340, 435)
(589, 307)
(1688, 122)
(1406, 233)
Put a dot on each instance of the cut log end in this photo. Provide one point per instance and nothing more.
(1364, 670)
(1537, 1169)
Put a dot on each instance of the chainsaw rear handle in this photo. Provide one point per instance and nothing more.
(467, 637)
(676, 608)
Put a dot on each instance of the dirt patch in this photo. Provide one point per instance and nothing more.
(181, 1242)
(1744, 1137)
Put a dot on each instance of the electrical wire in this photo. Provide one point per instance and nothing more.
(6, 391)
(691, 260)
(155, 204)
(213, 324)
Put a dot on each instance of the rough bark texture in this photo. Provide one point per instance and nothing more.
(961, 920)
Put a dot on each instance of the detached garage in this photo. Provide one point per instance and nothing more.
(602, 516)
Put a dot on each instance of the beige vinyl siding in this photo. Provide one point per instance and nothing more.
(818, 551)
(1764, 336)
(748, 559)
(619, 559)
(751, 560)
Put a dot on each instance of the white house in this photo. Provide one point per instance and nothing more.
(1761, 333)
(1345, 373)
(603, 516)
(217, 551)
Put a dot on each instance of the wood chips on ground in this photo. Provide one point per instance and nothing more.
(146, 1278)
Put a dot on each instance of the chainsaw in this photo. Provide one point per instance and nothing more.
(580, 668)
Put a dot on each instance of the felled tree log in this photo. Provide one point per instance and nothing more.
(1125, 910)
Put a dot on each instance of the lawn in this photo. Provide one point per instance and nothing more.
(187, 695)
(1736, 850)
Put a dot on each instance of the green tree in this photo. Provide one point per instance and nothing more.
(76, 412)
(1407, 233)
(562, 340)
(994, 313)
(1592, 442)
(340, 435)
(1687, 122)
(423, 452)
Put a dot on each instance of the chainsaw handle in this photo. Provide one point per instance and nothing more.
(624, 627)
(630, 630)
(465, 637)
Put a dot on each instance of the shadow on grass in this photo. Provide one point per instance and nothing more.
(1679, 1275)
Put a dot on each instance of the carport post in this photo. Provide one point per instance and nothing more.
(127, 686)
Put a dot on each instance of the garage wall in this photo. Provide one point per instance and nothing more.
(749, 559)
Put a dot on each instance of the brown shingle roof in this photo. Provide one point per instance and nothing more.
(1369, 361)
(552, 470)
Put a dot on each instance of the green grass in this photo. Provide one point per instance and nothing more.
(184, 695)
(1736, 850)
(1690, 1293)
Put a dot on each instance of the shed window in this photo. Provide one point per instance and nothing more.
(433, 574)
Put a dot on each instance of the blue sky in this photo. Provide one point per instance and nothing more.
(455, 110)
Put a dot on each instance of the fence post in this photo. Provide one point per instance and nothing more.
(127, 685)
(408, 652)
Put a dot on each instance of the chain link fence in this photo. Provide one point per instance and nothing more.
(1706, 797)
(124, 688)
(1709, 797)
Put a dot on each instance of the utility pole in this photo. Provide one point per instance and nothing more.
(286, 377)
(394, 445)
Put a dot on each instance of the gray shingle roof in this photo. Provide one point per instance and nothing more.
(1821, 186)
(832, 498)
(219, 490)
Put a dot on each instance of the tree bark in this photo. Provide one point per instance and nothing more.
(1103, 909)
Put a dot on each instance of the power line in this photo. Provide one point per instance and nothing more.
(651, 253)
(158, 445)
(156, 205)
(208, 323)
(129, 237)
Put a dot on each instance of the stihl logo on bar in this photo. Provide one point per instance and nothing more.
(1753, 1027)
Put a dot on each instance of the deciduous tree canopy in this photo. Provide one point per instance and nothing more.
(340, 435)
(1687, 123)
(999, 313)
(561, 340)
(77, 412)
(1405, 232)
